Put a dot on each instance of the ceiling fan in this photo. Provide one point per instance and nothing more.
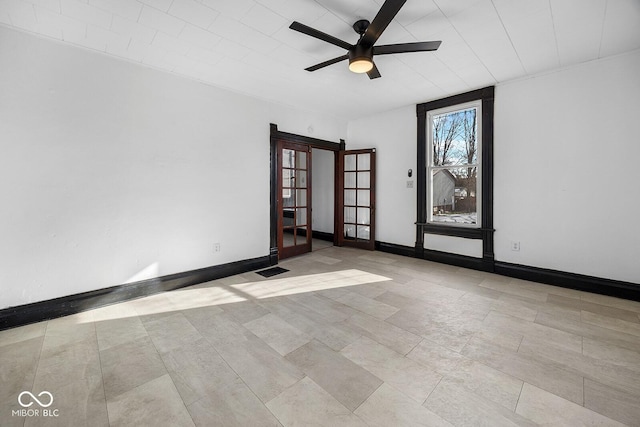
(360, 55)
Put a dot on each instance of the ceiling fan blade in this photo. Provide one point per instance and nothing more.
(385, 15)
(296, 26)
(406, 47)
(327, 63)
(373, 73)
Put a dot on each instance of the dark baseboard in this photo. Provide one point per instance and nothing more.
(321, 235)
(72, 304)
(615, 288)
(392, 248)
(436, 256)
(597, 285)
(458, 260)
(273, 256)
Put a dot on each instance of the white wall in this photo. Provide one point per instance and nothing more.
(112, 172)
(567, 171)
(561, 140)
(393, 135)
(322, 191)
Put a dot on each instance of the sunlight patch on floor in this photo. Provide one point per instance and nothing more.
(218, 294)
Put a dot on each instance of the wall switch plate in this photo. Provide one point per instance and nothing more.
(216, 247)
(409, 184)
(515, 246)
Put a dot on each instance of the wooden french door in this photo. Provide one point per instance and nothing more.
(356, 198)
(294, 199)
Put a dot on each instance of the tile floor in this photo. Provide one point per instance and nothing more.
(346, 337)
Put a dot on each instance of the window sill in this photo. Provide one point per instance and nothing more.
(452, 230)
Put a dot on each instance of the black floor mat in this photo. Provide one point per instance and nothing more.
(272, 271)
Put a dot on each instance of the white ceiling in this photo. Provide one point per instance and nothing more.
(246, 45)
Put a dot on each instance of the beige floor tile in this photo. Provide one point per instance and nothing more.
(405, 375)
(171, 332)
(191, 297)
(487, 382)
(378, 257)
(548, 376)
(153, 307)
(436, 357)
(326, 260)
(129, 365)
(197, 371)
(612, 354)
(279, 334)
(611, 301)
(18, 364)
(550, 289)
(22, 333)
(335, 335)
(119, 331)
(346, 381)
(11, 420)
(367, 305)
(121, 310)
(616, 404)
(400, 301)
(549, 335)
(219, 329)
(607, 336)
(508, 340)
(308, 404)
(245, 311)
(395, 338)
(582, 365)
(66, 330)
(515, 307)
(631, 328)
(231, 404)
(156, 402)
(462, 407)
(331, 310)
(546, 408)
(514, 288)
(77, 400)
(388, 407)
(368, 290)
(263, 369)
(432, 291)
(604, 310)
(61, 364)
(324, 305)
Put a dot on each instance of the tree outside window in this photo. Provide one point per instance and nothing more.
(453, 165)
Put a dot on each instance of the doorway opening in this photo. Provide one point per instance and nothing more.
(321, 192)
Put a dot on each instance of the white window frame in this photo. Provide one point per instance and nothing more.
(477, 104)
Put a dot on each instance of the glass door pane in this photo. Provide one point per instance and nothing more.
(357, 172)
(294, 229)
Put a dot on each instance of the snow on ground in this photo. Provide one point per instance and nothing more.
(470, 218)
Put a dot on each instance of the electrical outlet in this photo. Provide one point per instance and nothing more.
(409, 184)
(515, 246)
(216, 247)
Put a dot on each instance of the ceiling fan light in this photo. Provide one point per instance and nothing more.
(361, 65)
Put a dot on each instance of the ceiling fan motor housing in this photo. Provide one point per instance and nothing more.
(361, 54)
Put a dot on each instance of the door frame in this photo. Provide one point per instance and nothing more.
(322, 144)
(357, 243)
(296, 248)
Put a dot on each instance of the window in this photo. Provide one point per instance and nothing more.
(455, 171)
(454, 138)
